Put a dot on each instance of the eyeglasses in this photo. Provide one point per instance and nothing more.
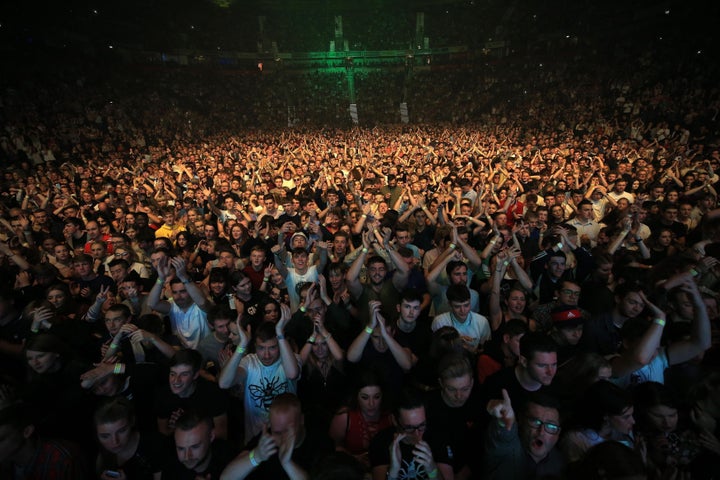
(413, 428)
(536, 423)
(567, 291)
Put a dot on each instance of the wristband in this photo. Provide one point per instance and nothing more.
(113, 345)
(280, 337)
(368, 330)
(118, 369)
(493, 241)
(559, 245)
(311, 340)
(240, 350)
(453, 246)
(363, 215)
(160, 281)
(254, 462)
(34, 330)
(432, 473)
(327, 337)
(364, 250)
(694, 272)
(266, 279)
(303, 309)
(659, 321)
(506, 263)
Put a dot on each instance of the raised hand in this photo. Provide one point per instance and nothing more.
(266, 446)
(502, 410)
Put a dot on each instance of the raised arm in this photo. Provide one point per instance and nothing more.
(402, 356)
(646, 348)
(701, 338)
(154, 301)
(287, 357)
(353, 274)
(195, 293)
(231, 373)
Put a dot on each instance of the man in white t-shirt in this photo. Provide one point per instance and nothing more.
(474, 329)
(273, 369)
(301, 271)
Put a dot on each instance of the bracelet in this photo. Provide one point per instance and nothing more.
(659, 321)
(160, 281)
(240, 349)
(266, 279)
(34, 330)
(493, 241)
(118, 369)
(433, 473)
(327, 337)
(506, 263)
(559, 245)
(694, 272)
(369, 330)
(113, 345)
(254, 462)
(280, 336)
(303, 309)
(363, 215)
(311, 340)
(364, 250)
(453, 246)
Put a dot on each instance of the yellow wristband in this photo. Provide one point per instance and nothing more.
(368, 330)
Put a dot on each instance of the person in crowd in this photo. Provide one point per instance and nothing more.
(354, 426)
(188, 306)
(125, 452)
(197, 452)
(376, 348)
(273, 369)
(185, 391)
(287, 448)
(410, 446)
(456, 412)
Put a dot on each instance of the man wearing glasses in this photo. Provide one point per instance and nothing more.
(408, 449)
(523, 447)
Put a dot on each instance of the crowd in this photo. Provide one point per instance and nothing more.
(525, 289)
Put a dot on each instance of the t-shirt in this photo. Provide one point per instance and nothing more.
(293, 279)
(190, 326)
(262, 385)
(474, 331)
(652, 372)
(207, 398)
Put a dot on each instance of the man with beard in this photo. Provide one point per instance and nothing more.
(198, 453)
(523, 447)
(379, 287)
